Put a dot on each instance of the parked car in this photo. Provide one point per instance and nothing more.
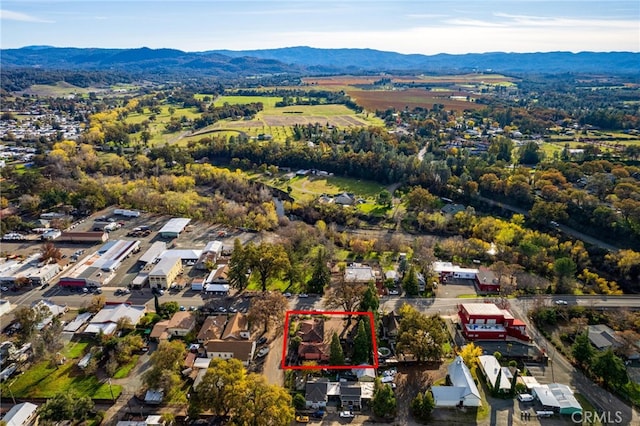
(4, 288)
(525, 397)
(287, 294)
(182, 308)
(318, 414)
(303, 295)
(347, 414)
(561, 302)
(302, 419)
(262, 352)
(394, 292)
(262, 340)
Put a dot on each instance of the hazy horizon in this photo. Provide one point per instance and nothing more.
(404, 26)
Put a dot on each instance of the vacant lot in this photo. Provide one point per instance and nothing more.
(44, 380)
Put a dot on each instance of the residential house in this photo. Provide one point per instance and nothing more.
(486, 321)
(237, 328)
(603, 337)
(312, 346)
(462, 392)
(242, 350)
(345, 199)
(491, 369)
(234, 341)
(106, 320)
(351, 396)
(212, 328)
(181, 324)
(23, 414)
(316, 394)
(159, 331)
(359, 274)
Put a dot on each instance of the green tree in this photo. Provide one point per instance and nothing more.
(220, 390)
(530, 154)
(384, 401)
(264, 404)
(410, 282)
(370, 299)
(165, 364)
(268, 310)
(565, 269)
(336, 354)
(385, 198)
(238, 266)
(267, 260)
(611, 369)
(361, 345)
(582, 350)
(29, 318)
(321, 275)
(422, 405)
(66, 406)
(167, 309)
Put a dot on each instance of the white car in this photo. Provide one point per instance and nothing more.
(262, 352)
(525, 397)
(303, 295)
(346, 414)
(394, 292)
(561, 302)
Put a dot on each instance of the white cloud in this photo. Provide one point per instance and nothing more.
(7, 15)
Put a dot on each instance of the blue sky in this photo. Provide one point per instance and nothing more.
(411, 26)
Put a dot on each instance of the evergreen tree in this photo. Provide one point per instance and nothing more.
(370, 300)
(361, 344)
(384, 401)
(336, 354)
(582, 350)
(410, 282)
(238, 266)
(321, 275)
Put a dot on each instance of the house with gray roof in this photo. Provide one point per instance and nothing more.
(603, 337)
(463, 391)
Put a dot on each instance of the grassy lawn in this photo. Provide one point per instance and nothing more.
(586, 406)
(76, 349)
(309, 188)
(124, 371)
(44, 381)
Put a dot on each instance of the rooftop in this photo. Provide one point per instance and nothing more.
(175, 225)
(482, 309)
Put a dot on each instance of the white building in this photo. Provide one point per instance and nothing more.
(24, 414)
(106, 320)
(491, 368)
(463, 390)
(557, 397)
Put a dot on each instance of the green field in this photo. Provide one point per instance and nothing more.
(43, 380)
(310, 188)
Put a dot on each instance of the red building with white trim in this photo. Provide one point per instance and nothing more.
(486, 321)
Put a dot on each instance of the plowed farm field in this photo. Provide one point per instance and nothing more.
(411, 98)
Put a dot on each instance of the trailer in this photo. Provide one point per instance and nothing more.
(126, 213)
(84, 237)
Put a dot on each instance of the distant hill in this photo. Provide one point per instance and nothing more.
(369, 59)
(307, 60)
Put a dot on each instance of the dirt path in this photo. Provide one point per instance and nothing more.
(272, 370)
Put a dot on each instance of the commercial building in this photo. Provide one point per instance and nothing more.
(31, 268)
(486, 321)
(24, 414)
(174, 227)
(486, 281)
(557, 397)
(165, 272)
(99, 268)
(210, 254)
(448, 270)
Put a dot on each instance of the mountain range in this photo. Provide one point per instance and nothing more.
(308, 60)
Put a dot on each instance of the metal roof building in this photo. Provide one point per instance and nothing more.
(558, 397)
(174, 227)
